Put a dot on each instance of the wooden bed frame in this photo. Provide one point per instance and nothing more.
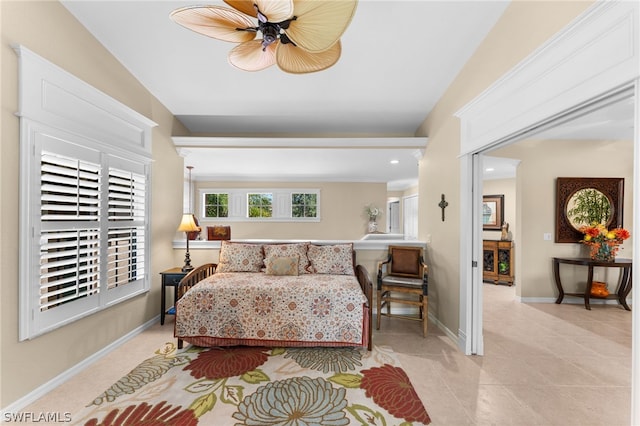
(203, 271)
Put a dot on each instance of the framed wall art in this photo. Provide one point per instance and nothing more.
(492, 212)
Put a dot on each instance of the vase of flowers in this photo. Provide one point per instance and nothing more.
(372, 212)
(603, 243)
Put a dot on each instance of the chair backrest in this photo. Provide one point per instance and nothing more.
(406, 261)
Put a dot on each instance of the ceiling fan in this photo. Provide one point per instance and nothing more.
(301, 36)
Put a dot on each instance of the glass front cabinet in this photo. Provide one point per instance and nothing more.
(498, 262)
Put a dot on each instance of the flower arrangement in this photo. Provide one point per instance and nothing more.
(372, 211)
(603, 242)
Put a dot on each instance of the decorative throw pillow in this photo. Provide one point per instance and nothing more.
(290, 250)
(238, 257)
(331, 259)
(276, 265)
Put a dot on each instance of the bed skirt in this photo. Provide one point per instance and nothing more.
(208, 341)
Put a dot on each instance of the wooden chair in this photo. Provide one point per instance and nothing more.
(405, 273)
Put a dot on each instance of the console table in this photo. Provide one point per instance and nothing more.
(624, 286)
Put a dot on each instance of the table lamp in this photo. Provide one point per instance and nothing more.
(187, 225)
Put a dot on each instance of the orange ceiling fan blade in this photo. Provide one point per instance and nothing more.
(319, 24)
(215, 21)
(251, 56)
(294, 60)
(244, 6)
(274, 10)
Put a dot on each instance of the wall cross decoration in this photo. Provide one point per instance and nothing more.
(443, 204)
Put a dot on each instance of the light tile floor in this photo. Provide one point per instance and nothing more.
(544, 364)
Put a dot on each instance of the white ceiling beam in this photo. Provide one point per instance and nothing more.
(182, 142)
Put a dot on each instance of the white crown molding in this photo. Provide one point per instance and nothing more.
(183, 152)
(419, 154)
(595, 54)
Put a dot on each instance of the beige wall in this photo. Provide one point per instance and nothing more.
(542, 162)
(342, 211)
(524, 26)
(49, 30)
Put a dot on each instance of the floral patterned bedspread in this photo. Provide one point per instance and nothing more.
(257, 309)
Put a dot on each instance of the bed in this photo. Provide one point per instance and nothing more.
(289, 295)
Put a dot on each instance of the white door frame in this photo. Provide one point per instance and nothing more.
(393, 216)
(470, 335)
(595, 56)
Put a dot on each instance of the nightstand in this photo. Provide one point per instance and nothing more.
(170, 278)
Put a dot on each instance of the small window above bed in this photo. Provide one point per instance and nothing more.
(263, 204)
(216, 205)
(259, 205)
(304, 204)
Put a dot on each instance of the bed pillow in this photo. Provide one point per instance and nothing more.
(331, 259)
(290, 250)
(281, 265)
(238, 257)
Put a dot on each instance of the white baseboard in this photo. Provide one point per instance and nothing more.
(461, 341)
(63, 377)
(570, 300)
(403, 310)
(451, 335)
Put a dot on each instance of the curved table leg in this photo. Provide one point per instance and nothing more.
(625, 288)
(587, 290)
(556, 273)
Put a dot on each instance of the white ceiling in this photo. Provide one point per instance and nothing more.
(398, 58)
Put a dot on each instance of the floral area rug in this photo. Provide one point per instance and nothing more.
(261, 387)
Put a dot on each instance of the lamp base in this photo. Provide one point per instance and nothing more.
(187, 258)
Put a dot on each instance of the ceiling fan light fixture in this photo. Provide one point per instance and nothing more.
(301, 36)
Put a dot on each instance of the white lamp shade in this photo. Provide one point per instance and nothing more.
(188, 224)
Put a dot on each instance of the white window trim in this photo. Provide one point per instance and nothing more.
(238, 204)
(73, 117)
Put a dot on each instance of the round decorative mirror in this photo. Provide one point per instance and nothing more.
(582, 201)
(588, 206)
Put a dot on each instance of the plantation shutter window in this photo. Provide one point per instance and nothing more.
(70, 188)
(85, 167)
(70, 266)
(126, 248)
(69, 258)
(126, 256)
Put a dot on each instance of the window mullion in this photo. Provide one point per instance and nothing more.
(104, 230)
